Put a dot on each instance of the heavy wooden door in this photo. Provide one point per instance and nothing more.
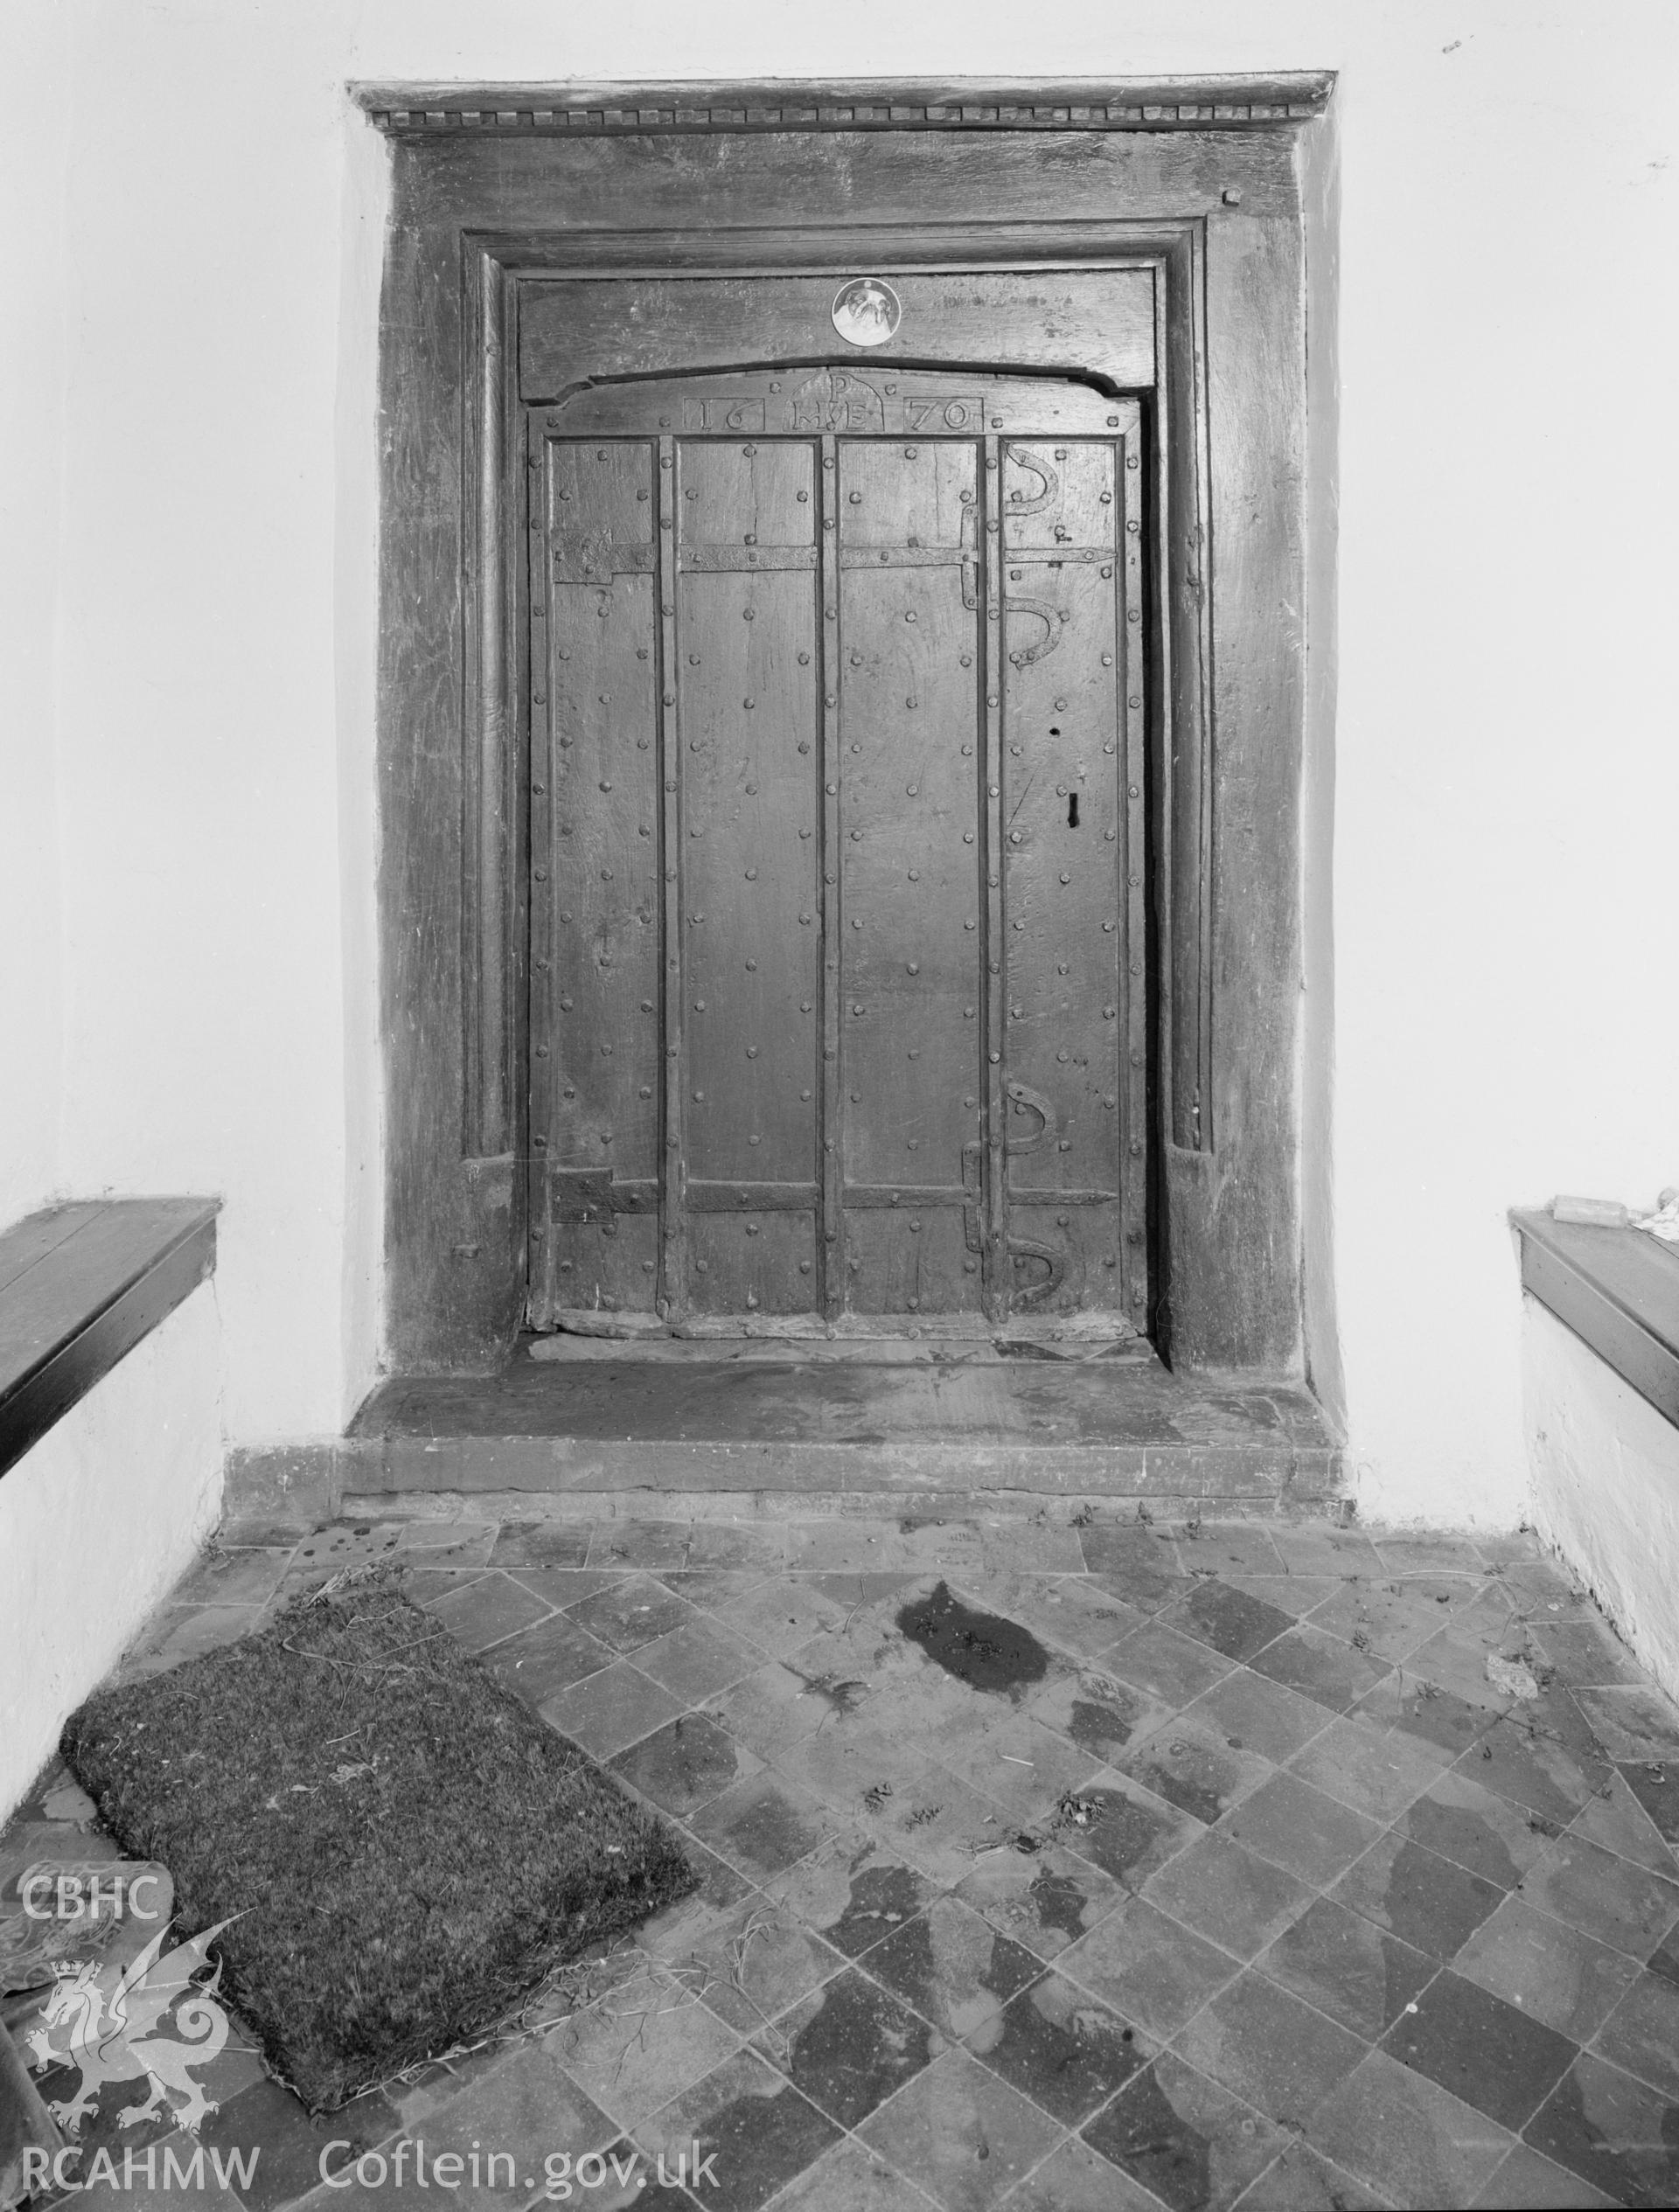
(837, 851)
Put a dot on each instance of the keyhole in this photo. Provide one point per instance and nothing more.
(1072, 810)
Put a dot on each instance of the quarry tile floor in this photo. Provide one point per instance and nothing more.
(1046, 1868)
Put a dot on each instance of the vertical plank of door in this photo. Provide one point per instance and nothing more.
(832, 1255)
(1064, 860)
(672, 1253)
(911, 940)
(1133, 1181)
(603, 867)
(542, 1302)
(746, 643)
(991, 794)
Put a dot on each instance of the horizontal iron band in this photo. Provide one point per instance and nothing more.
(905, 556)
(751, 1198)
(735, 560)
(880, 1194)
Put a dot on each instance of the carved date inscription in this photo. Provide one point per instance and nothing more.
(836, 401)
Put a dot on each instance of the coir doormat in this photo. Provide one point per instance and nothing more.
(401, 1848)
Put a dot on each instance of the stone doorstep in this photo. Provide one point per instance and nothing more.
(647, 1478)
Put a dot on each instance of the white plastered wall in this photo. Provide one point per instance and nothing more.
(1504, 740)
(97, 1521)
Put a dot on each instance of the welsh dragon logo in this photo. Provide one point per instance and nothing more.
(110, 2023)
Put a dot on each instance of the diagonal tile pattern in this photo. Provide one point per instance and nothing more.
(1045, 1867)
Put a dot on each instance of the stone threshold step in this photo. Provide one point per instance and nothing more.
(743, 1426)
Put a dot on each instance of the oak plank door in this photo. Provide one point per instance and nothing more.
(838, 849)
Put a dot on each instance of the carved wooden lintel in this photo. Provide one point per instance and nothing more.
(1167, 103)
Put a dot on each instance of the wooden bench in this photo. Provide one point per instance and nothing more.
(81, 1284)
(1618, 1289)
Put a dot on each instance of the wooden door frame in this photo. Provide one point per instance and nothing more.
(1200, 183)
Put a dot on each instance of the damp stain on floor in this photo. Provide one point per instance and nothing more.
(983, 1650)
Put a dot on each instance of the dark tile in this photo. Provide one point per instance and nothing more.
(1348, 1967)
(541, 1543)
(483, 1610)
(852, 1892)
(1301, 2182)
(1375, 1772)
(967, 2136)
(1318, 1666)
(1527, 2182)
(1191, 1763)
(1135, 1564)
(953, 1966)
(848, 2045)
(761, 1824)
(1296, 1826)
(1478, 1829)
(1192, 2143)
(1610, 1898)
(1271, 2048)
(1057, 2046)
(1490, 2054)
(540, 1661)
(1045, 1899)
(1399, 2132)
(1416, 1895)
(626, 1615)
(1258, 1715)
(1229, 1620)
(1122, 1829)
(1641, 2034)
(1225, 1894)
(696, 1661)
(687, 1764)
(1147, 1968)
(1655, 1785)
(1169, 1666)
(754, 2130)
(1569, 1980)
(1615, 2131)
